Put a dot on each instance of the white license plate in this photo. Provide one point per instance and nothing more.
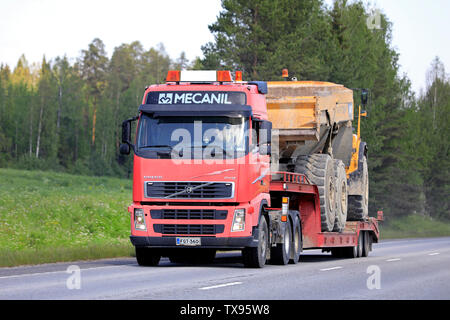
(191, 242)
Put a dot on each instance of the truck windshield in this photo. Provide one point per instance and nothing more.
(207, 137)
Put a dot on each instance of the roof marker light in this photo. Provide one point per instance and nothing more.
(224, 76)
(173, 76)
(238, 76)
(201, 76)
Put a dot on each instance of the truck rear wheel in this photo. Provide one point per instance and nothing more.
(358, 205)
(297, 242)
(257, 257)
(341, 196)
(147, 257)
(319, 169)
(282, 252)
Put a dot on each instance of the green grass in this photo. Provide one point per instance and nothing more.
(414, 226)
(49, 217)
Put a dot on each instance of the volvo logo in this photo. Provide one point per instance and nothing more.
(188, 190)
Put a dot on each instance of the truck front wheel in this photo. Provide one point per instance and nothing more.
(147, 257)
(257, 257)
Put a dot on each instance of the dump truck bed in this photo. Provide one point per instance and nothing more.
(299, 110)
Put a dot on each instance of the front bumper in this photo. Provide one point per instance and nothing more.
(207, 242)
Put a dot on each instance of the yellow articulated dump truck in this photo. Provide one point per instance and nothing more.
(313, 122)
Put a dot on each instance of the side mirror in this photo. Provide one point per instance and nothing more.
(126, 137)
(126, 131)
(124, 149)
(364, 96)
(364, 114)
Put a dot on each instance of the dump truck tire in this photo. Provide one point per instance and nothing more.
(358, 205)
(341, 196)
(319, 169)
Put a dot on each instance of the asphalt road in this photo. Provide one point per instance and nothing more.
(398, 269)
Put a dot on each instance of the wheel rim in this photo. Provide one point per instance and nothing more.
(344, 197)
(263, 244)
(287, 242)
(297, 240)
(366, 194)
(331, 195)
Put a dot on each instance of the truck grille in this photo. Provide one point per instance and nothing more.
(189, 229)
(189, 190)
(189, 214)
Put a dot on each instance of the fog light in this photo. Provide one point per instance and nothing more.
(139, 219)
(238, 220)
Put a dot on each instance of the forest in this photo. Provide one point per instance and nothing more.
(64, 114)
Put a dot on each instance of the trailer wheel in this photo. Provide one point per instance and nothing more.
(319, 170)
(147, 257)
(359, 247)
(257, 257)
(367, 244)
(282, 252)
(350, 252)
(358, 205)
(297, 242)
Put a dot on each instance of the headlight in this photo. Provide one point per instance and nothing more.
(139, 219)
(238, 220)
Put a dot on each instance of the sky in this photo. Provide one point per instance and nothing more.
(65, 27)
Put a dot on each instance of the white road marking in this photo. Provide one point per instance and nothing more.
(53, 272)
(392, 260)
(221, 285)
(434, 254)
(329, 269)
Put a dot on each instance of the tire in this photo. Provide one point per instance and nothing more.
(350, 252)
(341, 196)
(147, 257)
(297, 242)
(257, 257)
(282, 252)
(358, 205)
(359, 247)
(366, 244)
(319, 169)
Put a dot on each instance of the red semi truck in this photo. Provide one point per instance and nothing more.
(204, 179)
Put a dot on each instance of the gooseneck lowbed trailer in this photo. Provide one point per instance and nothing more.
(270, 169)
